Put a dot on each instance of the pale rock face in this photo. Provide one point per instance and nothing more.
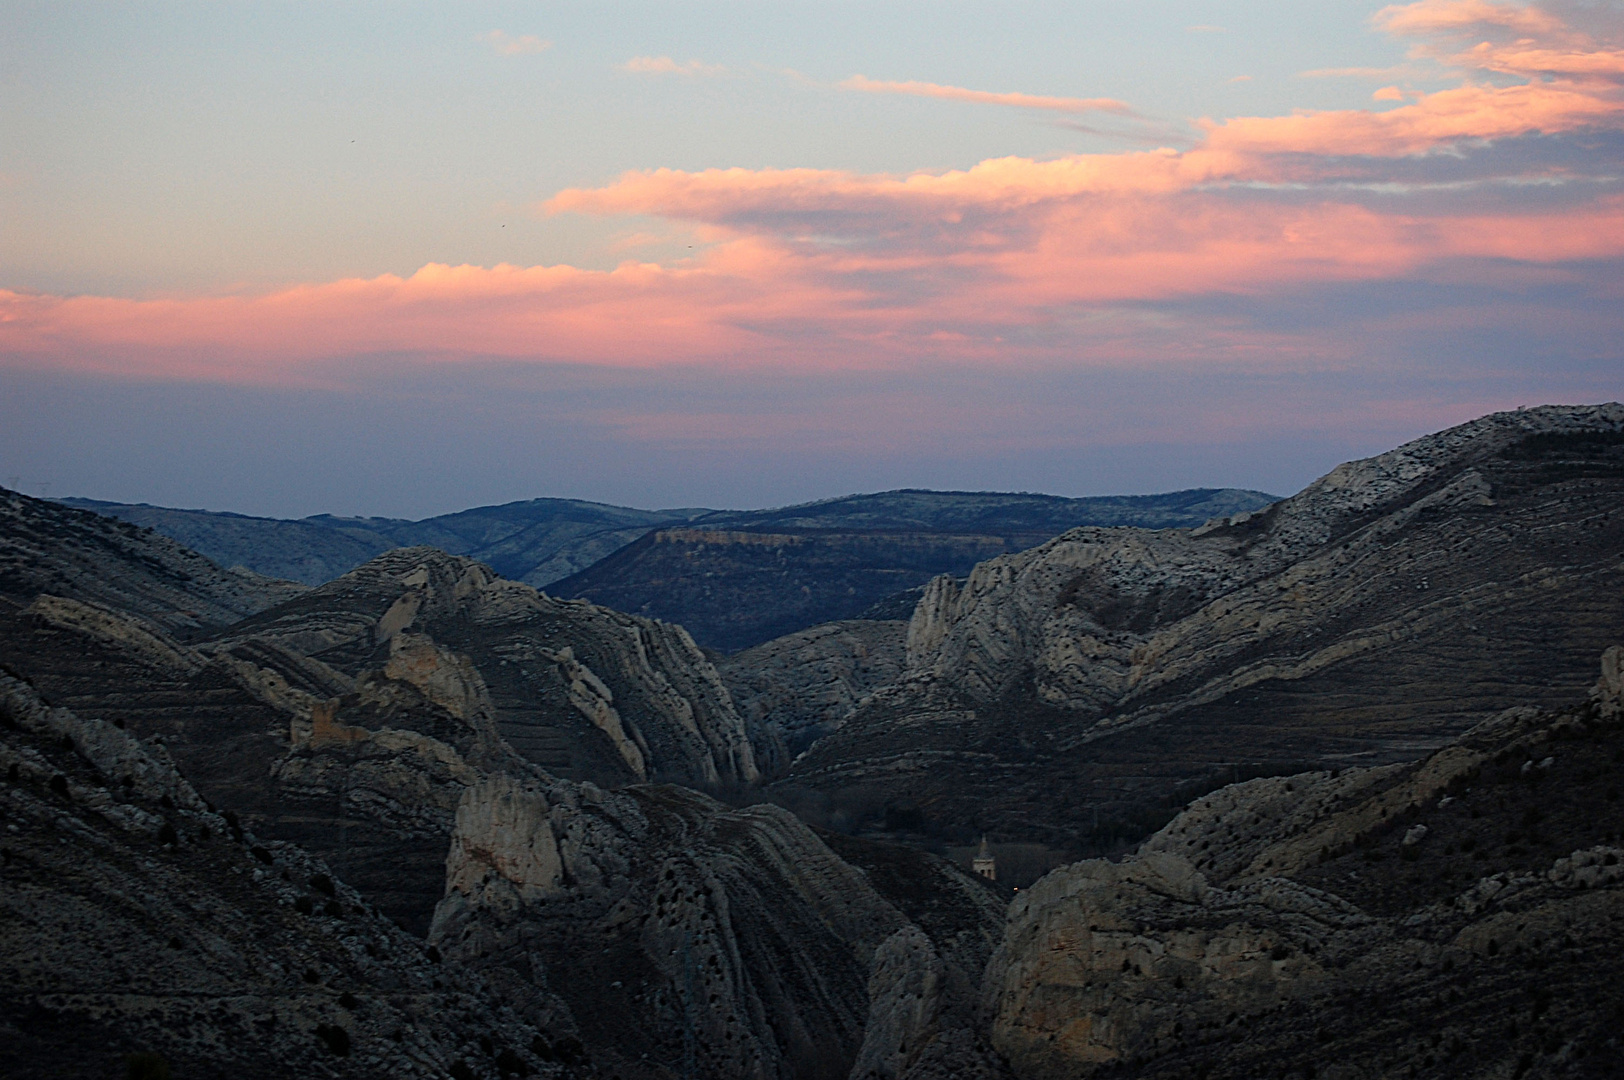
(1609, 692)
(739, 926)
(793, 690)
(595, 701)
(904, 1005)
(1101, 620)
(1207, 925)
(502, 849)
(126, 634)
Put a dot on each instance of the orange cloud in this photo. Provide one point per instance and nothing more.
(664, 65)
(959, 93)
(826, 267)
(522, 45)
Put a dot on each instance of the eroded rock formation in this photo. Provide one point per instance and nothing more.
(1456, 916)
(1385, 608)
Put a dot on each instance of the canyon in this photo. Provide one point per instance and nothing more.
(1330, 786)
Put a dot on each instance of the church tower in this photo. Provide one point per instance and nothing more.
(984, 863)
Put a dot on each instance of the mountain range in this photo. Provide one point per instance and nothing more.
(1333, 782)
(733, 578)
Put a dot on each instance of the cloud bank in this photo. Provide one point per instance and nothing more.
(1506, 180)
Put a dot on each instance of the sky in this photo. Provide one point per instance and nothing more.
(399, 258)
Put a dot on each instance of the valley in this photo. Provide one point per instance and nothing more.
(1326, 786)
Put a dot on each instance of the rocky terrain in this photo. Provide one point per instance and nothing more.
(1457, 916)
(423, 820)
(543, 541)
(47, 549)
(742, 578)
(1076, 693)
(536, 541)
(802, 686)
(137, 925)
(365, 746)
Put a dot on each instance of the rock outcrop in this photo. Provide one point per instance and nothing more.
(135, 921)
(1385, 608)
(77, 555)
(684, 935)
(1456, 916)
(794, 690)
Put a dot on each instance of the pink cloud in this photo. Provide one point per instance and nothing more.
(959, 93)
(507, 45)
(993, 262)
(664, 65)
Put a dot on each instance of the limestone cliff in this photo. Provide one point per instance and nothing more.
(1457, 916)
(796, 689)
(681, 931)
(135, 921)
(1385, 608)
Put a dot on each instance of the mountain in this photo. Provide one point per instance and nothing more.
(141, 931)
(1075, 693)
(739, 579)
(48, 548)
(209, 840)
(536, 541)
(1455, 916)
(550, 542)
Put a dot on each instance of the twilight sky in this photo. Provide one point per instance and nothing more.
(400, 258)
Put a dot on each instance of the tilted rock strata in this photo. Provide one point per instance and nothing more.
(1357, 925)
(674, 927)
(135, 920)
(49, 548)
(803, 686)
(1387, 607)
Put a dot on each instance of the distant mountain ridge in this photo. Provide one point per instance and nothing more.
(544, 542)
(536, 541)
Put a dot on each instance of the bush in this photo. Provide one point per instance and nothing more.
(303, 906)
(168, 835)
(146, 1066)
(323, 884)
(335, 1037)
(509, 1063)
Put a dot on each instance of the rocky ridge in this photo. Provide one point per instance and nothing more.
(1382, 610)
(137, 921)
(1456, 916)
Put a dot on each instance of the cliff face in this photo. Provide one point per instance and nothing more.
(1386, 607)
(734, 940)
(586, 692)
(134, 920)
(1456, 916)
(796, 689)
(350, 720)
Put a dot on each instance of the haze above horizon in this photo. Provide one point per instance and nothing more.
(291, 259)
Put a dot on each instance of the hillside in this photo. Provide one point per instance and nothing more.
(1456, 916)
(1072, 694)
(735, 580)
(536, 541)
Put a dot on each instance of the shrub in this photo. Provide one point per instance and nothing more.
(146, 1066)
(59, 784)
(335, 1037)
(509, 1063)
(168, 835)
(323, 884)
(461, 1070)
(303, 906)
